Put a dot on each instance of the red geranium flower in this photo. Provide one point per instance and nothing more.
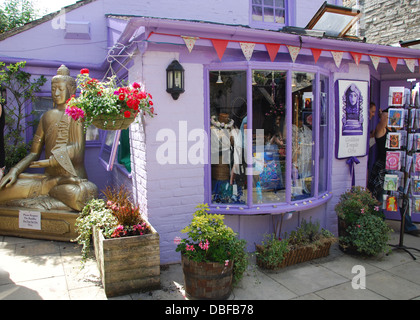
(84, 71)
(127, 114)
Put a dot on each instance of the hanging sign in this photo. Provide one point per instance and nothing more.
(352, 118)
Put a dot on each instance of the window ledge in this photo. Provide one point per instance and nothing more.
(301, 205)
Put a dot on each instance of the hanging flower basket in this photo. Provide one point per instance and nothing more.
(107, 106)
(106, 122)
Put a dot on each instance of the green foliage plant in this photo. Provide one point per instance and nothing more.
(364, 229)
(15, 13)
(272, 251)
(355, 202)
(210, 240)
(21, 90)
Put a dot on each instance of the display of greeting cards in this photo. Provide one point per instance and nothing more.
(393, 160)
(391, 182)
(393, 140)
(415, 184)
(415, 96)
(416, 204)
(416, 159)
(396, 96)
(391, 204)
(395, 118)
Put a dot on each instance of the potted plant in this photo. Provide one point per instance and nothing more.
(361, 225)
(306, 243)
(126, 245)
(213, 258)
(107, 106)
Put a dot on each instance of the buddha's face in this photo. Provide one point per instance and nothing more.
(59, 91)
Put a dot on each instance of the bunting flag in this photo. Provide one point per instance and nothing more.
(375, 61)
(247, 49)
(272, 49)
(410, 64)
(393, 61)
(220, 47)
(357, 57)
(294, 51)
(316, 53)
(189, 42)
(338, 56)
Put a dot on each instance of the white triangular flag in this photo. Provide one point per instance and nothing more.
(294, 51)
(375, 61)
(247, 49)
(410, 64)
(189, 42)
(338, 56)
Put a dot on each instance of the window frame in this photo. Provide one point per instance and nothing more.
(251, 208)
(288, 17)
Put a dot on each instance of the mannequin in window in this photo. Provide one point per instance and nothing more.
(64, 184)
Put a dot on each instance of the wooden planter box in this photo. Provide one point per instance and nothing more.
(299, 255)
(128, 264)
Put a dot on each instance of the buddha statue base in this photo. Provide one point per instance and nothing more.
(34, 223)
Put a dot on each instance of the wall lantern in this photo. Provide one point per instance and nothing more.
(175, 79)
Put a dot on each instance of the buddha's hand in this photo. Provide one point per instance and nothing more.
(40, 164)
(9, 179)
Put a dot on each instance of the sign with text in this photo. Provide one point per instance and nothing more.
(30, 220)
(352, 118)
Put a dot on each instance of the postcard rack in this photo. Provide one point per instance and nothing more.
(402, 178)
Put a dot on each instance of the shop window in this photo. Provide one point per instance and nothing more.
(116, 146)
(271, 151)
(268, 12)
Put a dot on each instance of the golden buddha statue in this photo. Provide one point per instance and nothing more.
(64, 184)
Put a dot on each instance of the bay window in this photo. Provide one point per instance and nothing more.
(268, 131)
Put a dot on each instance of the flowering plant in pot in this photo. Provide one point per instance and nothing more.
(212, 254)
(361, 225)
(126, 245)
(307, 242)
(107, 105)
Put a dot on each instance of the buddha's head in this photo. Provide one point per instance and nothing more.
(62, 86)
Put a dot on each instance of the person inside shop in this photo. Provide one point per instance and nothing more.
(372, 142)
(376, 178)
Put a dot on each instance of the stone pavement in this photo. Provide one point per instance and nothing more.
(50, 270)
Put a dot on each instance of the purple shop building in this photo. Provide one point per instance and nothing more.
(262, 106)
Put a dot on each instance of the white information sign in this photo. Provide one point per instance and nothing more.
(30, 220)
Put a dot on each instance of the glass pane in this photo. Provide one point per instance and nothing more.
(279, 3)
(268, 3)
(269, 136)
(302, 135)
(256, 13)
(323, 134)
(268, 15)
(279, 16)
(228, 124)
(259, 2)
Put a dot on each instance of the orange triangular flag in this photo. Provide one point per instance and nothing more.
(357, 57)
(316, 53)
(220, 46)
(272, 49)
(393, 61)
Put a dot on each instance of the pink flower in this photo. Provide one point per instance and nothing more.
(177, 240)
(362, 210)
(358, 226)
(190, 247)
(376, 208)
(75, 112)
(204, 246)
(226, 263)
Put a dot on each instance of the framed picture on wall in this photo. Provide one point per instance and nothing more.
(352, 118)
